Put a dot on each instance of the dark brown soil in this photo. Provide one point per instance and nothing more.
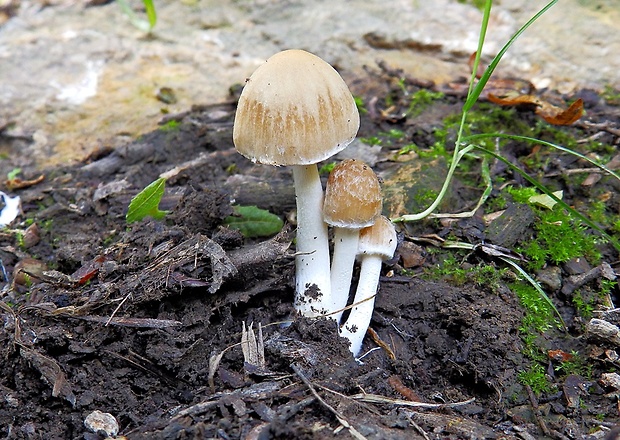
(169, 299)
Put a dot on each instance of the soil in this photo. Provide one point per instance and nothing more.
(144, 322)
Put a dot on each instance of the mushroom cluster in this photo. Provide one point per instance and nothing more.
(296, 110)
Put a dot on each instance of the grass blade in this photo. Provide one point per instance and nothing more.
(470, 139)
(536, 286)
(473, 96)
(576, 214)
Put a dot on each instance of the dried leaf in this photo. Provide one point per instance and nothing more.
(556, 116)
(214, 363)
(87, 271)
(470, 63)
(51, 372)
(17, 183)
(515, 100)
(508, 87)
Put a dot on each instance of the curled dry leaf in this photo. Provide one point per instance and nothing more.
(556, 116)
(17, 183)
(515, 100)
(549, 112)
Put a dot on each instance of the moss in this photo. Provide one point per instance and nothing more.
(575, 364)
(421, 100)
(327, 168)
(559, 239)
(583, 304)
(611, 96)
(359, 103)
(171, 125)
(452, 269)
(536, 378)
(539, 316)
(372, 140)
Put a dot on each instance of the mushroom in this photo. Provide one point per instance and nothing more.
(376, 244)
(296, 110)
(352, 202)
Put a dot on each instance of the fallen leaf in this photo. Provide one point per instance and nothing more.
(556, 116)
(559, 355)
(17, 183)
(509, 87)
(516, 100)
(51, 373)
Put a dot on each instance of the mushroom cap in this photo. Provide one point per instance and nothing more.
(378, 239)
(294, 110)
(352, 196)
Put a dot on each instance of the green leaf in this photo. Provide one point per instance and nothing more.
(545, 201)
(252, 221)
(140, 23)
(146, 202)
(150, 13)
(13, 173)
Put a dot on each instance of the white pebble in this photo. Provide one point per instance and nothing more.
(101, 423)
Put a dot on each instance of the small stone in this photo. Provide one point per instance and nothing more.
(551, 277)
(603, 330)
(101, 423)
(576, 266)
(610, 380)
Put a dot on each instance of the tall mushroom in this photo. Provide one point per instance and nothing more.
(296, 110)
(376, 244)
(352, 202)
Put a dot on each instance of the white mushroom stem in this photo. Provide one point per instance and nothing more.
(376, 244)
(312, 287)
(354, 329)
(343, 260)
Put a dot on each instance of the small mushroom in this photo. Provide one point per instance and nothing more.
(352, 202)
(377, 243)
(296, 110)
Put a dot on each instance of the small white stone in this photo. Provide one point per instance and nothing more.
(101, 423)
(611, 380)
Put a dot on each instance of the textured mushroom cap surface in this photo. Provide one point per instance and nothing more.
(352, 196)
(294, 110)
(378, 239)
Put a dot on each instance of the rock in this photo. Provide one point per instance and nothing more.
(603, 330)
(551, 277)
(101, 423)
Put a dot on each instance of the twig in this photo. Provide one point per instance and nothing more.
(375, 398)
(416, 426)
(117, 309)
(539, 419)
(354, 432)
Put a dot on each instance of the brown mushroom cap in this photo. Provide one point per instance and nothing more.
(352, 196)
(294, 110)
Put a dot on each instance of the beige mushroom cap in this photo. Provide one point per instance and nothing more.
(352, 196)
(294, 110)
(379, 239)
